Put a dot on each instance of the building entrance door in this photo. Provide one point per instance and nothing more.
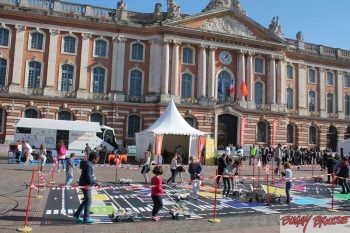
(227, 131)
(332, 138)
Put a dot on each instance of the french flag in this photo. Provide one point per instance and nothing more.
(232, 88)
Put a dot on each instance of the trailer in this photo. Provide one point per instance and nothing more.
(74, 134)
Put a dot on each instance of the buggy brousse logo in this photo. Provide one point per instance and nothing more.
(314, 223)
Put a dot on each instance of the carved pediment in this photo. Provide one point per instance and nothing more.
(227, 25)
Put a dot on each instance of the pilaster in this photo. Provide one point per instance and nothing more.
(83, 85)
(49, 89)
(175, 68)
(17, 63)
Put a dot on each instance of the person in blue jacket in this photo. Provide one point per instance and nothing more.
(87, 181)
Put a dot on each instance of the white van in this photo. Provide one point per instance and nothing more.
(75, 134)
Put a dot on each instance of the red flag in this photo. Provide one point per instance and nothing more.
(244, 89)
(232, 88)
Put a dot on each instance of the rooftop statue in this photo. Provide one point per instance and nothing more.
(121, 5)
(157, 13)
(173, 10)
(275, 26)
(300, 36)
(222, 4)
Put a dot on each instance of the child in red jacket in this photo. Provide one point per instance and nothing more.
(157, 192)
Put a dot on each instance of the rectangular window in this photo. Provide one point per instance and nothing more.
(346, 81)
(137, 52)
(259, 65)
(312, 76)
(2, 112)
(101, 48)
(3, 71)
(330, 79)
(289, 98)
(69, 44)
(4, 37)
(37, 41)
(289, 72)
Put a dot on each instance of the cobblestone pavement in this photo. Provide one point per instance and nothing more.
(14, 195)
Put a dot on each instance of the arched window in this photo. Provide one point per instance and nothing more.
(98, 80)
(187, 55)
(34, 74)
(4, 37)
(290, 95)
(330, 79)
(347, 105)
(312, 101)
(97, 117)
(290, 74)
(186, 86)
(69, 44)
(3, 71)
(191, 121)
(290, 134)
(329, 103)
(31, 113)
(37, 41)
(135, 83)
(262, 132)
(137, 52)
(224, 83)
(100, 48)
(67, 77)
(347, 133)
(134, 123)
(259, 65)
(258, 93)
(312, 76)
(312, 135)
(65, 115)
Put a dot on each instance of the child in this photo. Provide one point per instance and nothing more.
(195, 171)
(87, 179)
(157, 192)
(70, 169)
(146, 166)
(42, 155)
(288, 176)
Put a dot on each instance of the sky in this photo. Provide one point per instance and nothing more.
(322, 22)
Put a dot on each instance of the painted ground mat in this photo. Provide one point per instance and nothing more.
(129, 203)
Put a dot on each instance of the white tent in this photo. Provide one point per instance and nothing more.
(170, 123)
(344, 147)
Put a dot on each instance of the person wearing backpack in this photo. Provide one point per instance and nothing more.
(343, 173)
(61, 155)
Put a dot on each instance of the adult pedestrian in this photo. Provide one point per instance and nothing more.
(146, 166)
(221, 166)
(343, 173)
(61, 155)
(42, 156)
(195, 171)
(173, 167)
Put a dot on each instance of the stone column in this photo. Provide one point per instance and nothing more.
(281, 80)
(301, 90)
(211, 74)
(49, 89)
(322, 92)
(155, 68)
(17, 61)
(202, 71)
(165, 65)
(271, 89)
(118, 67)
(241, 73)
(250, 77)
(175, 68)
(339, 95)
(84, 59)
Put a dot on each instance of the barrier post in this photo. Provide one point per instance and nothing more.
(259, 165)
(38, 185)
(215, 199)
(332, 193)
(25, 227)
(253, 160)
(52, 174)
(267, 184)
(116, 172)
(273, 171)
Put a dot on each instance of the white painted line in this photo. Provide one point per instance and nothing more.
(128, 209)
(147, 208)
(142, 209)
(70, 211)
(55, 212)
(48, 211)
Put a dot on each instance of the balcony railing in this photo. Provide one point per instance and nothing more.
(292, 111)
(4, 89)
(263, 107)
(315, 114)
(135, 99)
(189, 101)
(333, 115)
(68, 94)
(99, 96)
(34, 91)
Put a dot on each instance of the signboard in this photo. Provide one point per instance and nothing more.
(210, 152)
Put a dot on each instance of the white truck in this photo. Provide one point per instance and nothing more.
(75, 134)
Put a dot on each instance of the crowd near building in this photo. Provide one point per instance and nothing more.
(231, 77)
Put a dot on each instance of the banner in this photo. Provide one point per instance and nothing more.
(201, 145)
(209, 157)
(274, 128)
(243, 123)
(159, 142)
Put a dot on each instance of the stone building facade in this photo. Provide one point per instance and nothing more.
(230, 77)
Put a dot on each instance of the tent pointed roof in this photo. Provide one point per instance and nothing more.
(171, 122)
